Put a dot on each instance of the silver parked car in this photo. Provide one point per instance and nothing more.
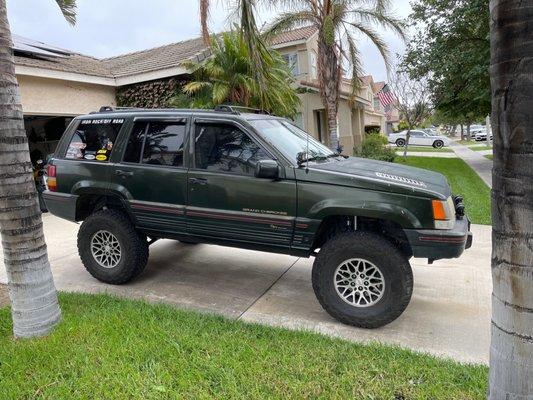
(419, 138)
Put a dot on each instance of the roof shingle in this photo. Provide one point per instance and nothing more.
(294, 35)
(157, 58)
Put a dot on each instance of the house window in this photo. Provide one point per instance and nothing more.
(292, 61)
(314, 71)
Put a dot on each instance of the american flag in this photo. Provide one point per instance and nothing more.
(386, 97)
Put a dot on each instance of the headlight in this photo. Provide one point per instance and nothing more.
(443, 213)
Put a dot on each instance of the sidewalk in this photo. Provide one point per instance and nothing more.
(480, 164)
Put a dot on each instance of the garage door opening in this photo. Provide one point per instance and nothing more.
(43, 134)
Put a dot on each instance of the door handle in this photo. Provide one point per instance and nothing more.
(198, 181)
(120, 172)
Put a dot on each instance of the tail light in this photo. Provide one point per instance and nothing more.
(51, 180)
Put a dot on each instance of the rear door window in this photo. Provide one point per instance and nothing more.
(94, 139)
(157, 143)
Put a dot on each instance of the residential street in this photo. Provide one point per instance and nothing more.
(449, 314)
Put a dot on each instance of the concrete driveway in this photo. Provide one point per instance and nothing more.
(449, 314)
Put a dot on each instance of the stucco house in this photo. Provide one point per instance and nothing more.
(58, 84)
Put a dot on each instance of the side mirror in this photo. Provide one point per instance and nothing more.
(267, 169)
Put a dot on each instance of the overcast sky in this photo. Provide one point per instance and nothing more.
(110, 27)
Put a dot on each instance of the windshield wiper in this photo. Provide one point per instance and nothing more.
(333, 155)
(304, 157)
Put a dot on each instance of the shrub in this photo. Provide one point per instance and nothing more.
(375, 146)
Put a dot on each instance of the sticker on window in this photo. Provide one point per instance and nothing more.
(94, 139)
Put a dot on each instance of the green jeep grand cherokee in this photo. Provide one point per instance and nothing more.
(257, 182)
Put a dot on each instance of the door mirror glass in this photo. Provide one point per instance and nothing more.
(267, 169)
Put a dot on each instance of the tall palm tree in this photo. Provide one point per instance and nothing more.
(244, 16)
(511, 365)
(227, 78)
(338, 23)
(35, 309)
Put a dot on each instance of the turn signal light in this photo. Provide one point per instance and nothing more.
(439, 212)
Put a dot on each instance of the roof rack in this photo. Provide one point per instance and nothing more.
(221, 108)
(239, 109)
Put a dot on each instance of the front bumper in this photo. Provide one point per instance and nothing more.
(436, 244)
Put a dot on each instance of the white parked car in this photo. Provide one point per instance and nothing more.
(419, 138)
(476, 129)
(481, 135)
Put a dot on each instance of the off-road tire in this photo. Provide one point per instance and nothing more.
(400, 142)
(389, 259)
(438, 144)
(134, 247)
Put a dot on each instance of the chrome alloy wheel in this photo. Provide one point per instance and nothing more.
(359, 283)
(105, 249)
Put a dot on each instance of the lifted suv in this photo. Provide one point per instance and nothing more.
(257, 182)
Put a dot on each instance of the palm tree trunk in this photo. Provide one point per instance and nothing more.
(329, 80)
(511, 355)
(35, 309)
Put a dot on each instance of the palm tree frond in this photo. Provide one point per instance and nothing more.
(195, 87)
(287, 21)
(382, 19)
(354, 57)
(375, 39)
(68, 8)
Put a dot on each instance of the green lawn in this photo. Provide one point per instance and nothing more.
(463, 180)
(108, 348)
(489, 156)
(427, 149)
(480, 147)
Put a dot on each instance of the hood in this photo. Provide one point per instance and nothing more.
(382, 175)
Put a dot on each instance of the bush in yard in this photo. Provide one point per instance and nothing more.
(375, 146)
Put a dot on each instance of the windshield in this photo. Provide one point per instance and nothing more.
(290, 139)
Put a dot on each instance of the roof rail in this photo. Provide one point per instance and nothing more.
(239, 109)
(111, 109)
(221, 108)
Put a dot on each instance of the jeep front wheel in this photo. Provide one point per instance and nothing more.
(110, 248)
(362, 279)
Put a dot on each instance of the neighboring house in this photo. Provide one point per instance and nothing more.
(58, 84)
(356, 116)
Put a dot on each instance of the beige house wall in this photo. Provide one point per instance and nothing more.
(350, 119)
(43, 96)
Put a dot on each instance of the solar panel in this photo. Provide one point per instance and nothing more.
(28, 46)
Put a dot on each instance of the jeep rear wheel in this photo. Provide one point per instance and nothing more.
(362, 279)
(110, 247)
(400, 142)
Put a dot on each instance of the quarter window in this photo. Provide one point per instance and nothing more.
(94, 139)
(225, 148)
